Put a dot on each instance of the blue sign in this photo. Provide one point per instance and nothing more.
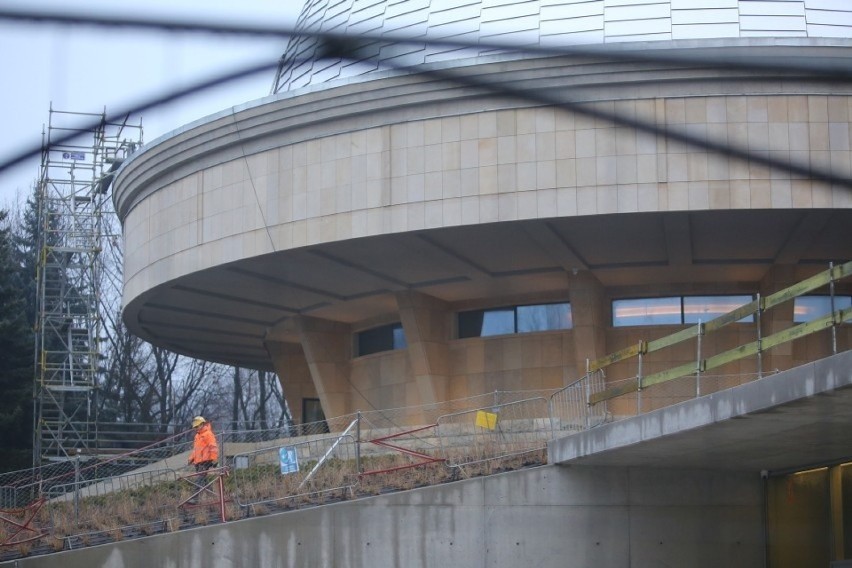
(288, 459)
(73, 156)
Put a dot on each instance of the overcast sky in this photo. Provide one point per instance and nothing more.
(84, 69)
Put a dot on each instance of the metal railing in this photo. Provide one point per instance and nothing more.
(569, 407)
(288, 474)
(495, 432)
(697, 368)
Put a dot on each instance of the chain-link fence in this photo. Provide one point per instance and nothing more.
(286, 475)
(85, 501)
(495, 432)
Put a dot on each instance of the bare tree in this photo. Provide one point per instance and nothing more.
(257, 401)
(149, 385)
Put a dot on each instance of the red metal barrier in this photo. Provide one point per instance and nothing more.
(206, 485)
(425, 458)
(22, 530)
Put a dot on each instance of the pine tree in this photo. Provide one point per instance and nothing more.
(16, 355)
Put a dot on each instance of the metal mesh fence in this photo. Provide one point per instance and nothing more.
(19, 488)
(92, 511)
(283, 474)
(569, 408)
(86, 501)
(494, 432)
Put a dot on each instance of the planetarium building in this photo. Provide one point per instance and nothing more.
(465, 197)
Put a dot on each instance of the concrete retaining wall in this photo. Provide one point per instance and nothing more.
(560, 516)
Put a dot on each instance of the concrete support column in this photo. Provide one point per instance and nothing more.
(327, 349)
(779, 318)
(835, 492)
(426, 322)
(293, 373)
(589, 316)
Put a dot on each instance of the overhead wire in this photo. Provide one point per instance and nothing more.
(347, 47)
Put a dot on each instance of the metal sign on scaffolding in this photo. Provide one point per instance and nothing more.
(80, 154)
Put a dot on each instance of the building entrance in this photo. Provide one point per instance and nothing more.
(809, 518)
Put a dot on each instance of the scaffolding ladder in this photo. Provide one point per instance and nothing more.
(80, 154)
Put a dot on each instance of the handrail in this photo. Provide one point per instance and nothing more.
(823, 278)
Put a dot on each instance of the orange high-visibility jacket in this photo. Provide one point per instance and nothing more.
(205, 447)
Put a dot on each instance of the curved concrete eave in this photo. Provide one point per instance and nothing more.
(216, 298)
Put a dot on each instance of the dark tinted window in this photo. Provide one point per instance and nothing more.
(514, 319)
(384, 338)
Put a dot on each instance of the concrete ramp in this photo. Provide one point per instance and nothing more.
(790, 420)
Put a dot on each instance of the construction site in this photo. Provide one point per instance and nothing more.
(542, 287)
(91, 507)
(81, 153)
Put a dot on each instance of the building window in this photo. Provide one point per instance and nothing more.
(809, 308)
(514, 319)
(384, 338)
(313, 417)
(706, 308)
(675, 310)
(646, 311)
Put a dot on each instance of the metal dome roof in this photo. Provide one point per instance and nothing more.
(541, 23)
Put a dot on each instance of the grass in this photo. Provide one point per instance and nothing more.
(255, 491)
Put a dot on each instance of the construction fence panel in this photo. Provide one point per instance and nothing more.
(287, 474)
(494, 432)
(20, 488)
(569, 407)
(90, 511)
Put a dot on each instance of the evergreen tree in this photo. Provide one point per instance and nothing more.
(16, 356)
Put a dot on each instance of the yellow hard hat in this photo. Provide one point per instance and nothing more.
(198, 421)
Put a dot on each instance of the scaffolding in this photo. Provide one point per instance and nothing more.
(80, 154)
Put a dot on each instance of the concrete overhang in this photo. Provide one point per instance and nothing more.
(796, 419)
(212, 267)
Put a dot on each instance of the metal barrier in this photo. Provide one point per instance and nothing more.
(420, 458)
(20, 526)
(569, 408)
(494, 432)
(703, 363)
(82, 502)
(105, 486)
(286, 473)
(94, 510)
(207, 489)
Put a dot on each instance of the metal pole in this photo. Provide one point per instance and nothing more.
(639, 387)
(588, 379)
(834, 321)
(759, 337)
(77, 486)
(698, 360)
(327, 453)
(221, 487)
(358, 444)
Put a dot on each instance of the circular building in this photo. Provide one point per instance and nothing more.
(408, 223)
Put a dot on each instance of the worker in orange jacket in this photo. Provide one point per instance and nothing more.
(205, 450)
